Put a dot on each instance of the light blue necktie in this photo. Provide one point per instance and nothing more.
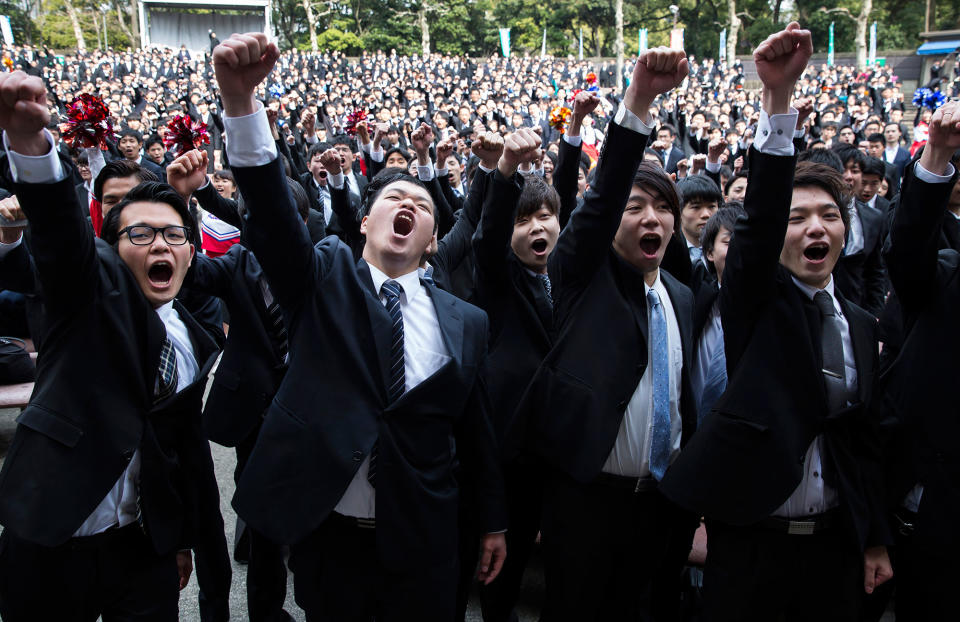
(660, 444)
(716, 381)
(696, 253)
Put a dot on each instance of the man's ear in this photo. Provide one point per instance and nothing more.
(193, 251)
(363, 226)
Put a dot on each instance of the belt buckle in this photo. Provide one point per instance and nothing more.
(801, 527)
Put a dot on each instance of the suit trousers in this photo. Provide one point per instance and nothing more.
(115, 575)
(338, 578)
(266, 570)
(611, 553)
(523, 481)
(212, 558)
(925, 580)
(756, 574)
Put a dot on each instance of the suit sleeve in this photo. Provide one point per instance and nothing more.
(911, 254)
(454, 247)
(213, 275)
(586, 240)
(565, 178)
(491, 242)
(347, 213)
(875, 278)
(455, 202)
(224, 209)
(17, 271)
(753, 259)
(444, 213)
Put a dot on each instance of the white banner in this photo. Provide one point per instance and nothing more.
(6, 30)
(505, 42)
(676, 38)
(543, 46)
(872, 56)
(723, 44)
(580, 55)
(643, 40)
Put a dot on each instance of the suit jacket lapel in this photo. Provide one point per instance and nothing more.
(380, 325)
(861, 340)
(870, 221)
(450, 320)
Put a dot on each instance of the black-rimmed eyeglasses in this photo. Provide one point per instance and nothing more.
(143, 235)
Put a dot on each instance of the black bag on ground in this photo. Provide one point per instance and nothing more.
(16, 366)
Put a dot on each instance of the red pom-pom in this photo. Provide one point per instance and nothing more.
(591, 78)
(573, 96)
(353, 119)
(183, 134)
(559, 117)
(88, 123)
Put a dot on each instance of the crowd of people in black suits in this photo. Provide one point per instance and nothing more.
(697, 313)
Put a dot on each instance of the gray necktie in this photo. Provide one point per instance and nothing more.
(834, 373)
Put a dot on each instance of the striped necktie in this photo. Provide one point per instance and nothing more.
(391, 292)
(167, 377)
(547, 287)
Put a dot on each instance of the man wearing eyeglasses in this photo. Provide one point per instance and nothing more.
(99, 488)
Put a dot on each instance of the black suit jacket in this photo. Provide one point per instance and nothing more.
(572, 410)
(675, 155)
(747, 457)
(77, 435)
(918, 385)
(334, 226)
(250, 369)
(521, 316)
(332, 405)
(566, 179)
(862, 277)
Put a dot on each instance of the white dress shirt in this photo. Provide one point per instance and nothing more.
(424, 353)
(813, 496)
(855, 235)
(324, 193)
(630, 456)
(711, 339)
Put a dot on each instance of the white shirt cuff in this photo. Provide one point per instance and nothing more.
(573, 141)
(625, 118)
(484, 168)
(250, 142)
(440, 172)
(95, 161)
(311, 139)
(425, 173)
(376, 155)
(775, 133)
(365, 147)
(799, 133)
(336, 181)
(932, 178)
(6, 248)
(42, 169)
(713, 167)
(206, 182)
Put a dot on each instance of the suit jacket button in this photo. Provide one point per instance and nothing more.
(357, 456)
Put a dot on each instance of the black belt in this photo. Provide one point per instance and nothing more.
(807, 526)
(353, 521)
(636, 484)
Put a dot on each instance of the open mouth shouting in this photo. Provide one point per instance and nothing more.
(816, 253)
(160, 274)
(650, 245)
(539, 247)
(403, 223)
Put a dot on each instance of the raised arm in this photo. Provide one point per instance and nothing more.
(274, 229)
(63, 245)
(911, 254)
(567, 172)
(586, 240)
(754, 255)
(188, 176)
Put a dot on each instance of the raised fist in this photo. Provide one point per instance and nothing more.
(444, 149)
(520, 147)
(657, 71)
(421, 139)
(584, 103)
(943, 139)
(24, 112)
(188, 173)
(308, 123)
(363, 132)
(488, 147)
(698, 163)
(11, 212)
(241, 63)
(715, 149)
(331, 161)
(781, 59)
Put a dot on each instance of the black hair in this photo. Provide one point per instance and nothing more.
(822, 156)
(656, 154)
(584, 163)
(669, 128)
(120, 169)
(318, 148)
(655, 181)
(873, 166)
(724, 218)
(743, 174)
(537, 193)
(151, 191)
(849, 153)
(875, 138)
(383, 179)
(403, 153)
(824, 177)
(698, 188)
(152, 140)
(128, 132)
(343, 139)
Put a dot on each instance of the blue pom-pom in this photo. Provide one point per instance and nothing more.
(935, 100)
(920, 96)
(277, 90)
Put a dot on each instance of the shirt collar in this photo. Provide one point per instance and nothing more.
(410, 282)
(810, 291)
(165, 311)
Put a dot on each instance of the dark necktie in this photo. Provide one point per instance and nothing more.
(660, 446)
(428, 275)
(167, 376)
(547, 287)
(278, 332)
(834, 373)
(391, 292)
(322, 193)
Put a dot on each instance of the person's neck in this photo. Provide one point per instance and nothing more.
(694, 242)
(955, 209)
(893, 145)
(393, 267)
(650, 277)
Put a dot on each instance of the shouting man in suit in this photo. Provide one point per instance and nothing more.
(97, 493)
(785, 465)
(354, 465)
(610, 406)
